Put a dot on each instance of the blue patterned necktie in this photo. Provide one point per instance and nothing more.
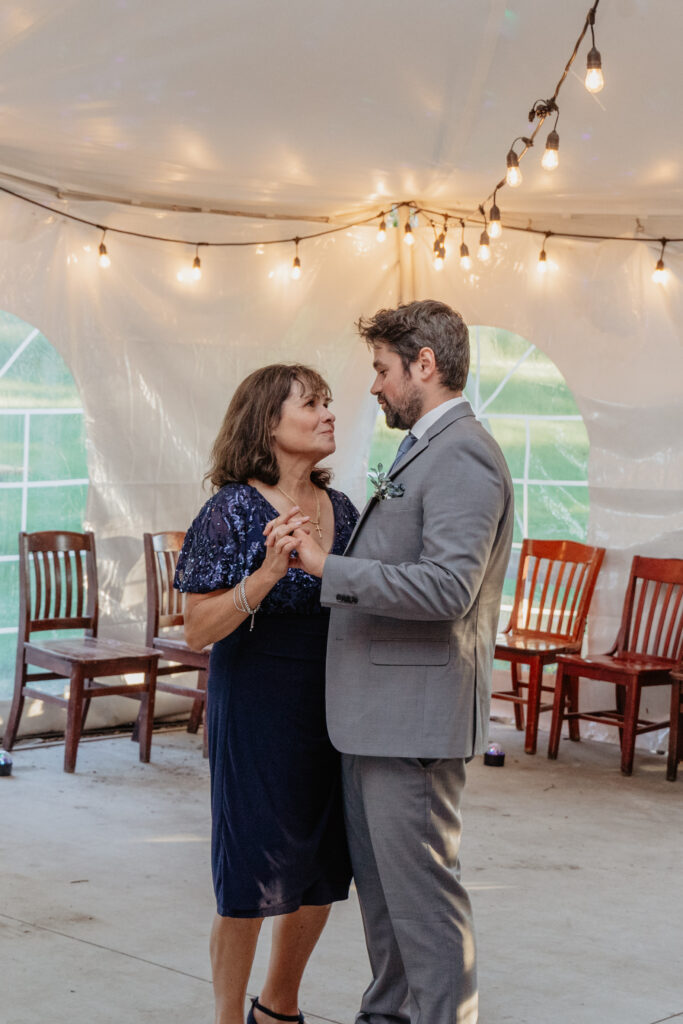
(405, 446)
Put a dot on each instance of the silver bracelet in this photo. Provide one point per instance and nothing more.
(241, 602)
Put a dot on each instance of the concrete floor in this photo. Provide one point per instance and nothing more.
(106, 901)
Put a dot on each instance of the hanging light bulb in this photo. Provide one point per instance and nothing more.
(465, 261)
(514, 175)
(542, 260)
(439, 254)
(594, 80)
(495, 227)
(408, 236)
(551, 156)
(196, 266)
(660, 273)
(103, 258)
(382, 230)
(484, 249)
(295, 272)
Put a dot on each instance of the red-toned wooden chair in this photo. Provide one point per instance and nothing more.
(58, 590)
(555, 584)
(649, 645)
(675, 725)
(164, 613)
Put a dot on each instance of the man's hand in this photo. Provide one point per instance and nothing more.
(310, 556)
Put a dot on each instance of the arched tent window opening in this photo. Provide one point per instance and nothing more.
(43, 469)
(522, 399)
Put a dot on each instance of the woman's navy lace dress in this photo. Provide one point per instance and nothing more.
(278, 838)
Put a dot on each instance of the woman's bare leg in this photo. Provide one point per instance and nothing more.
(294, 938)
(232, 946)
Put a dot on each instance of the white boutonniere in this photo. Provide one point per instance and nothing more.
(384, 487)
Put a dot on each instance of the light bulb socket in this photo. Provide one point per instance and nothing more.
(512, 159)
(494, 214)
(464, 252)
(103, 249)
(553, 140)
(196, 263)
(594, 60)
(484, 238)
(542, 258)
(660, 265)
(297, 262)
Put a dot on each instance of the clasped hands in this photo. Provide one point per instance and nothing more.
(289, 545)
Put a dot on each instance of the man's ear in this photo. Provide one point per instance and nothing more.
(426, 363)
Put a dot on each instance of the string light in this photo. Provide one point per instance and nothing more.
(295, 272)
(495, 226)
(513, 176)
(196, 266)
(660, 273)
(408, 236)
(551, 157)
(594, 80)
(465, 261)
(103, 258)
(382, 229)
(542, 257)
(484, 253)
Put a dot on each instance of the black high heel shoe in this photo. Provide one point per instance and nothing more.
(291, 1017)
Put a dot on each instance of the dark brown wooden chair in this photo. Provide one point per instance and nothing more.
(675, 725)
(648, 647)
(164, 613)
(58, 590)
(555, 584)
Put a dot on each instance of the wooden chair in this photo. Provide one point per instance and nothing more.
(164, 612)
(675, 725)
(555, 584)
(58, 590)
(648, 646)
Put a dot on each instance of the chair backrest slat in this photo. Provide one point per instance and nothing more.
(555, 583)
(58, 581)
(164, 603)
(652, 620)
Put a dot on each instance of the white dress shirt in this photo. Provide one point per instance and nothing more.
(425, 422)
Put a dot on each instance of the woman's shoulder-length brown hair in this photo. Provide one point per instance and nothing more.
(243, 449)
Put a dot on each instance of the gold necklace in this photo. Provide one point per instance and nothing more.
(314, 522)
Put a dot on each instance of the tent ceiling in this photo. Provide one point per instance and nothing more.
(317, 108)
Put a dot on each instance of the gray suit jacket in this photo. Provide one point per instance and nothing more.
(415, 601)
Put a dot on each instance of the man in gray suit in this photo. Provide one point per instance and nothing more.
(415, 602)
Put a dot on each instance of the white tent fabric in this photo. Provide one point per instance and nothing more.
(314, 110)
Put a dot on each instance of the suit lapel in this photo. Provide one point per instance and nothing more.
(462, 409)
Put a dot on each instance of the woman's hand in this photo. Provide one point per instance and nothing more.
(280, 542)
(309, 555)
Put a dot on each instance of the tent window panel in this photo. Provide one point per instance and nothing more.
(57, 447)
(559, 450)
(558, 512)
(10, 520)
(42, 441)
(56, 508)
(11, 448)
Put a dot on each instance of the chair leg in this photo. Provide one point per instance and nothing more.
(620, 704)
(533, 704)
(675, 736)
(198, 703)
(562, 684)
(74, 717)
(12, 726)
(145, 720)
(86, 708)
(631, 708)
(573, 705)
(519, 707)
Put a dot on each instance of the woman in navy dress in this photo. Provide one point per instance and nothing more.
(278, 840)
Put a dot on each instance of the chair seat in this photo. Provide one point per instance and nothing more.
(632, 664)
(522, 643)
(91, 650)
(170, 643)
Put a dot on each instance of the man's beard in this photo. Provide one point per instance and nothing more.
(405, 414)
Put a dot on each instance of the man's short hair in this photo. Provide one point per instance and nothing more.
(425, 324)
